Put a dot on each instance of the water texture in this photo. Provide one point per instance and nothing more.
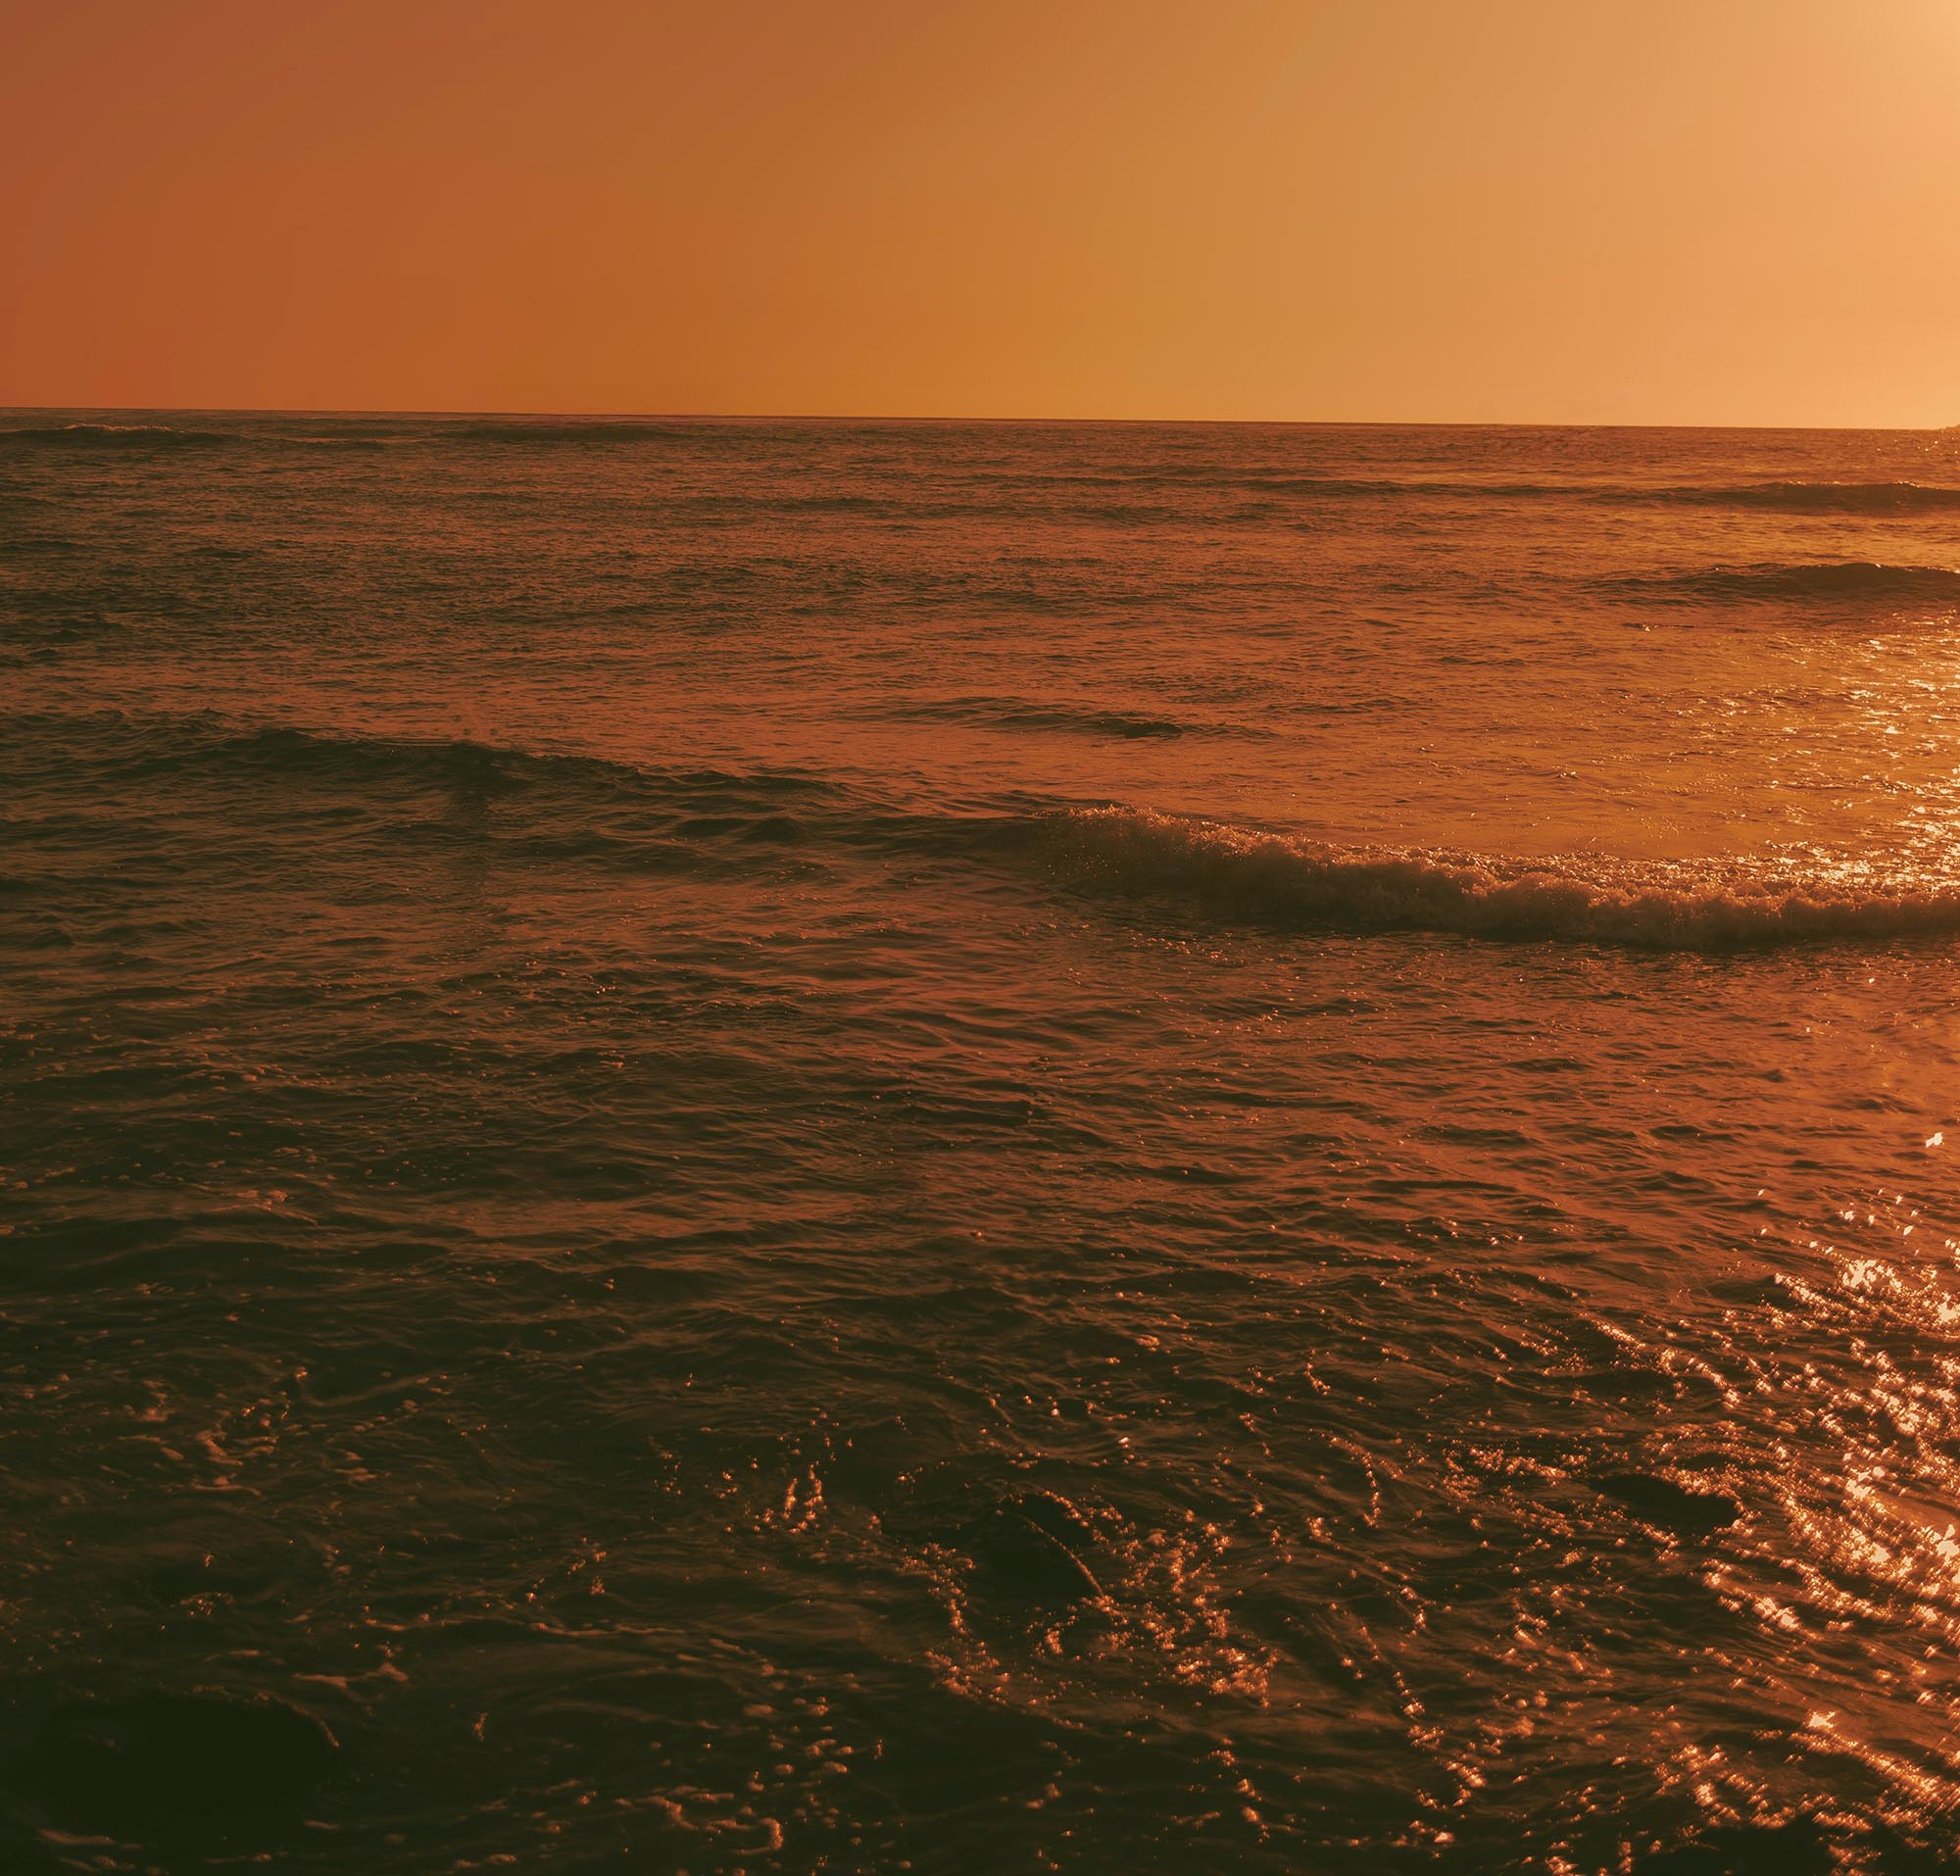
(764, 1146)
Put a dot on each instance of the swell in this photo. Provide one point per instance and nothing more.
(1802, 497)
(156, 750)
(1019, 714)
(1822, 582)
(567, 808)
(110, 436)
(91, 438)
(1278, 879)
(1830, 498)
(954, 480)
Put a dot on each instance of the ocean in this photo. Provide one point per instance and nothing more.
(976, 1147)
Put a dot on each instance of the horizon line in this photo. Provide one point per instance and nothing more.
(868, 417)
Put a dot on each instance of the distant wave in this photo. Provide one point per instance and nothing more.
(1834, 498)
(1013, 713)
(1802, 497)
(109, 436)
(1798, 497)
(155, 439)
(1263, 878)
(1258, 485)
(1822, 581)
(1145, 493)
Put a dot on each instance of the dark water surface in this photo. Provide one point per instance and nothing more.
(771, 1146)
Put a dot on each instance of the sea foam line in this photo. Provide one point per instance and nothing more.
(1285, 879)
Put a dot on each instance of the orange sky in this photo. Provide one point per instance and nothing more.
(1642, 211)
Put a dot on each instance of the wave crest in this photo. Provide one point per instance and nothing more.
(597, 810)
(1274, 878)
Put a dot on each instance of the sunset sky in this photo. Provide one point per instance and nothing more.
(1639, 211)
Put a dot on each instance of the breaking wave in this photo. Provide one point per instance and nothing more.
(572, 804)
(1274, 878)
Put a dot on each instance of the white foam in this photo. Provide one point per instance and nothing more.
(1656, 905)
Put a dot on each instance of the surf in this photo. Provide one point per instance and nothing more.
(1243, 874)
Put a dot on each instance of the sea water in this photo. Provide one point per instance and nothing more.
(978, 1147)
